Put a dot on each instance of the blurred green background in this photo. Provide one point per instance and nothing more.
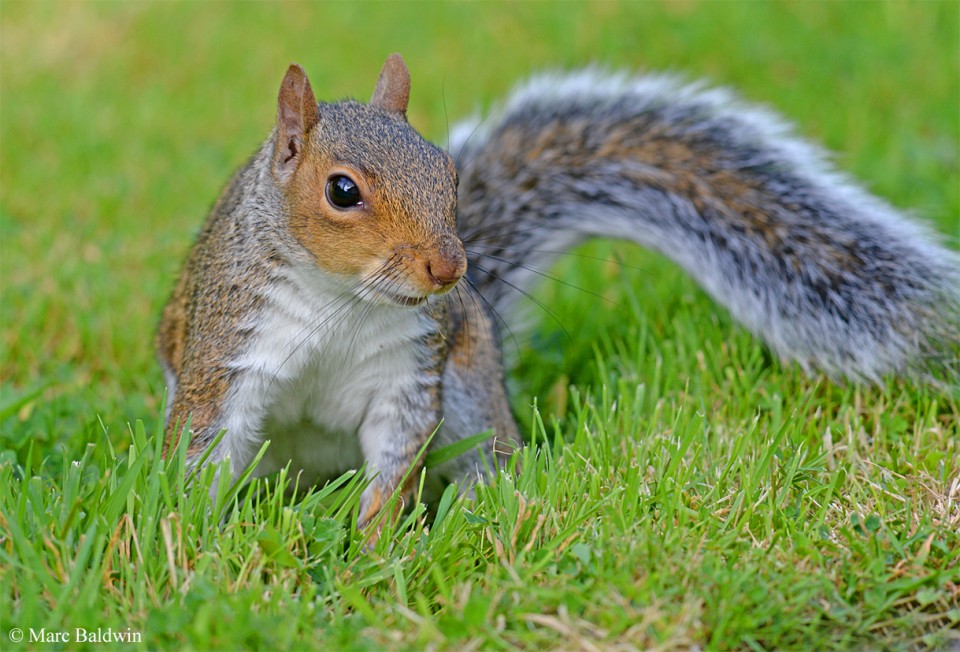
(120, 122)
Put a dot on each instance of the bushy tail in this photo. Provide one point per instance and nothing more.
(825, 273)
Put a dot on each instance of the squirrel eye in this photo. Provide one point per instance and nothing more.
(343, 193)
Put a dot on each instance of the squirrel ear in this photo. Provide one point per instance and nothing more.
(297, 114)
(393, 86)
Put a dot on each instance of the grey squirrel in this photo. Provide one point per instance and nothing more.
(340, 299)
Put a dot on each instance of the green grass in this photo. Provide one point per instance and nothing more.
(687, 490)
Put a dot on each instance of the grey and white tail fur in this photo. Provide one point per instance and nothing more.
(825, 273)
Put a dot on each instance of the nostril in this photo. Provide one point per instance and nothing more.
(444, 271)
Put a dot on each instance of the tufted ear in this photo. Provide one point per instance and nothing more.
(393, 86)
(297, 114)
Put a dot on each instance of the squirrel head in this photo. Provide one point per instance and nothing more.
(365, 193)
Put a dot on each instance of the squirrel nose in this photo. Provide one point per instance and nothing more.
(449, 265)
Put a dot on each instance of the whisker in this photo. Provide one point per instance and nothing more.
(351, 348)
(308, 332)
(502, 232)
(499, 322)
(465, 322)
(551, 277)
(371, 287)
(463, 167)
(491, 231)
(443, 102)
(349, 297)
(532, 298)
(569, 254)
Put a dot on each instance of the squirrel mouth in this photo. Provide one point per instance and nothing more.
(397, 297)
(400, 299)
(407, 301)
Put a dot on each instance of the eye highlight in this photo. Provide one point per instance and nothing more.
(343, 192)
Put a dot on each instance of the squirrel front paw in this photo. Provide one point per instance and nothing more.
(372, 502)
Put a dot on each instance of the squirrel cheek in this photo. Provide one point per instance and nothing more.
(336, 248)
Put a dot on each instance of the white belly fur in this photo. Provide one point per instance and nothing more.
(314, 370)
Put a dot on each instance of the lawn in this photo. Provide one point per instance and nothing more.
(686, 489)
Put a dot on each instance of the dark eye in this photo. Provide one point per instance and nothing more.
(342, 192)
